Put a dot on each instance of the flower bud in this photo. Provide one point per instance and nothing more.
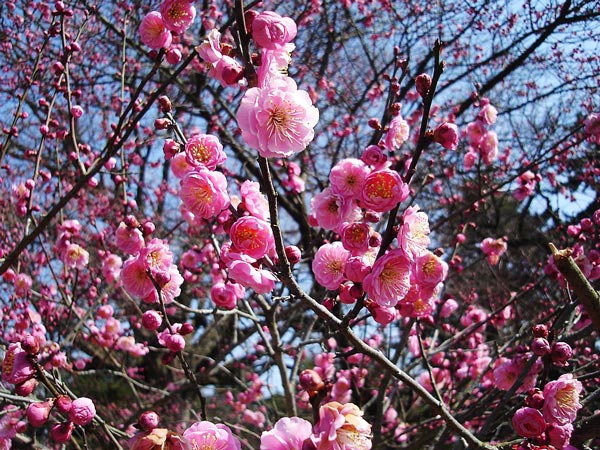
(186, 328)
(148, 420)
(374, 123)
(82, 411)
(540, 331)
(311, 382)
(423, 84)
(26, 388)
(61, 432)
(540, 346)
(446, 135)
(151, 320)
(293, 254)
(162, 124)
(535, 399)
(30, 344)
(164, 104)
(63, 403)
(175, 342)
(561, 353)
(37, 413)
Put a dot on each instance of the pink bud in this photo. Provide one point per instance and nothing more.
(82, 411)
(151, 320)
(446, 135)
(540, 346)
(105, 311)
(26, 388)
(293, 254)
(175, 342)
(186, 328)
(311, 382)
(162, 124)
(63, 403)
(164, 104)
(540, 331)
(170, 148)
(30, 344)
(148, 420)
(173, 56)
(61, 432)
(535, 399)
(76, 111)
(423, 84)
(561, 353)
(374, 123)
(38, 413)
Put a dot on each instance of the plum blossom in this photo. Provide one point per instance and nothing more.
(356, 237)
(159, 439)
(446, 135)
(204, 193)
(592, 127)
(204, 150)
(271, 31)
(226, 295)
(252, 236)
(135, 279)
(153, 31)
(493, 249)
(341, 427)
(397, 133)
(277, 119)
(382, 190)
(348, 176)
(274, 63)
(528, 422)
(389, 281)
(413, 236)
(16, 367)
(82, 411)
(561, 399)
(260, 280)
(210, 48)
(330, 210)
(253, 200)
(328, 264)
(288, 433)
(209, 436)
(177, 15)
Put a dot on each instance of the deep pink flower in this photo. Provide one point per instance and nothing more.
(159, 439)
(227, 71)
(129, 240)
(82, 411)
(419, 302)
(373, 156)
(278, 119)
(226, 295)
(135, 279)
(252, 236)
(528, 422)
(389, 281)
(208, 436)
(383, 190)
(356, 236)
(430, 270)
(341, 427)
(153, 31)
(288, 433)
(204, 150)
(170, 289)
(561, 399)
(446, 135)
(347, 177)
(177, 15)
(16, 367)
(261, 281)
(272, 31)
(330, 210)
(204, 193)
(61, 432)
(151, 320)
(328, 264)
(397, 133)
(559, 435)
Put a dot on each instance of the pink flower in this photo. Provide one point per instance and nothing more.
(419, 302)
(278, 119)
(488, 114)
(383, 190)
(16, 367)
(226, 295)
(446, 135)
(129, 240)
(475, 132)
(288, 433)
(493, 248)
(397, 133)
(261, 281)
(273, 63)
(37, 413)
(208, 436)
(561, 399)
(159, 439)
(528, 422)
(430, 270)
(413, 237)
(177, 15)
(61, 432)
(373, 156)
(592, 126)
(204, 193)
(179, 165)
(151, 320)
(341, 427)
(170, 282)
(272, 31)
(227, 71)
(347, 177)
(82, 411)
(252, 236)
(330, 209)
(253, 200)
(559, 435)
(356, 236)
(328, 264)
(204, 150)
(389, 281)
(76, 257)
(111, 267)
(135, 279)
(153, 31)
(210, 48)
(489, 147)
(23, 283)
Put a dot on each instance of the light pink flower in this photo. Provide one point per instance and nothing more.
(252, 236)
(22, 283)
(446, 135)
(272, 31)
(111, 267)
(397, 133)
(493, 249)
(156, 256)
(210, 48)
(288, 433)
(273, 63)
(16, 367)
(204, 193)
(135, 279)
(328, 264)
(170, 289)
(38, 413)
(76, 257)
(208, 436)
(488, 114)
(413, 237)
(278, 119)
(389, 281)
(561, 399)
(153, 31)
(419, 302)
(528, 422)
(341, 427)
(177, 15)
(253, 200)
(82, 411)
(382, 190)
(261, 281)
(489, 147)
(347, 177)
(204, 150)
(129, 240)
(179, 165)
(475, 132)
(159, 439)
(330, 210)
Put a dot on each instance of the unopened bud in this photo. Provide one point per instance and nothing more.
(423, 84)
(311, 382)
(148, 420)
(164, 104)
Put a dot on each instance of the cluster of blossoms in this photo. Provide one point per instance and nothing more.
(18, 368)
(547, 419)
(157, 27)
(592, 127)
(483, 143)
(527, 183)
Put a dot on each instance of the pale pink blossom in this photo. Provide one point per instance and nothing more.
(341, 427)
(252, 236)
(253, 200)
(22, 283)
(488, 114)
(561, 399)
(446, 135)
(413, 236)
(475, 132)
(111, 267)
(156, 256)
(489, 147)
(347, 177)
(528, 422)
(288, 433)
(210, 48)
(278, 120)
(271, 31)
(204, 150)
(208, 436)
(397, 133)
(274, 63)
(153, 31)
(204, 193)
(389, 280)
(128, 239)
(470, 158)
(76, 257)
(330, 210)
(383, 190)
(179, 165)
(328, 264)
(260, 280)
(178, 15)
